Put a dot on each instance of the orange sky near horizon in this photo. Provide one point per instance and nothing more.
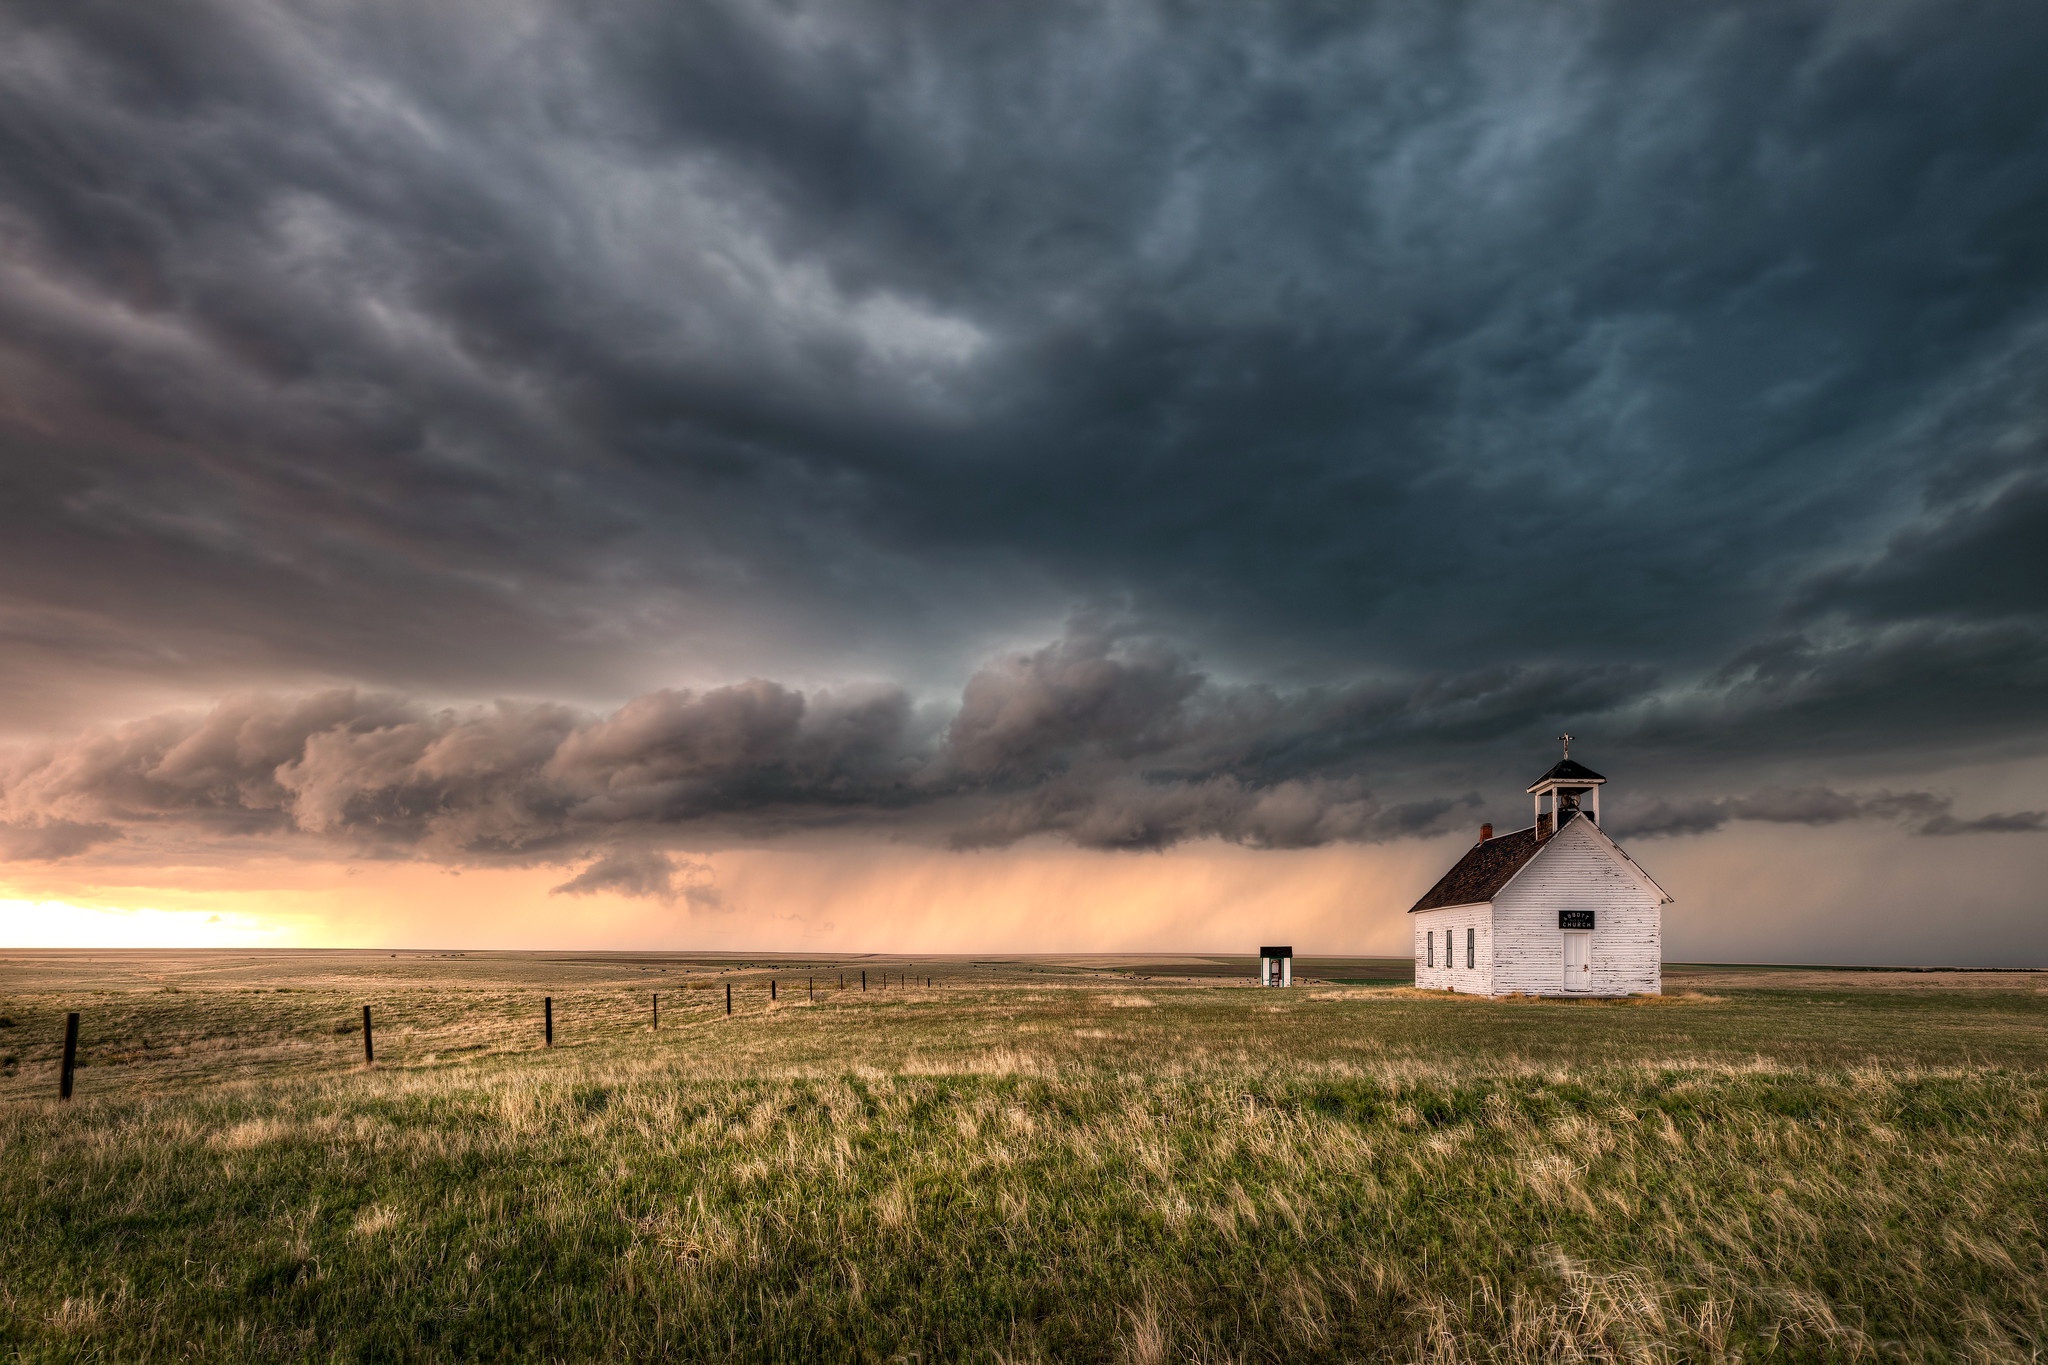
(1749, 893)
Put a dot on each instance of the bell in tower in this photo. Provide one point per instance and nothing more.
(1573, 789)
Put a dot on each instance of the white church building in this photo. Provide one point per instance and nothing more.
(1555, 909)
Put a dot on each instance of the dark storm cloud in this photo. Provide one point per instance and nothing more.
(1923, 812)
(49, 840)
(1101, 740)
(1817, 694)
(505, 780)
(1106, 741)
(2012, 822)
(1985, 561)
(1028, 713)
(1121, 812)
(645, 873)
(1438, 377)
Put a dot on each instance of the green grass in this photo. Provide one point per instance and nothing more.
(1059, 1165)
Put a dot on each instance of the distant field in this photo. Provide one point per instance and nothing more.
(1032, 1159)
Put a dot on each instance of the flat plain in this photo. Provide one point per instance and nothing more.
(1027, 1159)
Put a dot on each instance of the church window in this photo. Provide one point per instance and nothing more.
(1471, 947)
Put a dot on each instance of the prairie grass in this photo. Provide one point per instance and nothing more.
(1831, 1169)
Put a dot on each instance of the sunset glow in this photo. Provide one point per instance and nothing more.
(1205, 897)
(60, 924)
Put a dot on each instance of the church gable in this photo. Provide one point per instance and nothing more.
(1579, 863)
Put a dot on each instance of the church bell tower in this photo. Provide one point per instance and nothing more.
(1573, 789)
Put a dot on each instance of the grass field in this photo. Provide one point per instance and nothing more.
(1075, 1160)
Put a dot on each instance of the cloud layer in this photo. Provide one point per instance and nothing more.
(1096, 739)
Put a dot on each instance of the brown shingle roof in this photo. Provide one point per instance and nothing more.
(1482, 872)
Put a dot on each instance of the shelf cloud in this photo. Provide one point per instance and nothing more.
(1096, 739)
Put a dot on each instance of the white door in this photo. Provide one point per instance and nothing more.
(1578, 962)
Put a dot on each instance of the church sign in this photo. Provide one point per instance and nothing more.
(1575, 919)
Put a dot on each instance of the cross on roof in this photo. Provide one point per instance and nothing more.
(1567, 745)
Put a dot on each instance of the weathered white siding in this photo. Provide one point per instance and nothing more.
(1577, 870)
(1476, 980)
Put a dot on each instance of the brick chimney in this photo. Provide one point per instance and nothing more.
(1485, 833)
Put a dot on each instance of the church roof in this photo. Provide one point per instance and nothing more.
(1567, 770)
(1483, 871)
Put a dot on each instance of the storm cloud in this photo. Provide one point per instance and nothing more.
(1376, 391)
(1927, 813)
(1097, 739)
(648, 874)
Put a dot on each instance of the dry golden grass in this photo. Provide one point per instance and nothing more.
(983, 1170)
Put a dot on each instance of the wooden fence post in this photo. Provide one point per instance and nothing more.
(728, 997)
(547, 1005)
(814, 990)
(369, 1047)
(771, 988)
(70, 1056)
(657, 1009)
(863, 981)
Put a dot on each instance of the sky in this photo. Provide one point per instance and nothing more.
(930, 477)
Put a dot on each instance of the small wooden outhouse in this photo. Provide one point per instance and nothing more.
(1555, 909)
(1276, 966)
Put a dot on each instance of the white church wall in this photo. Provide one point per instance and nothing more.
(1578, 871)
(1454, 921)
